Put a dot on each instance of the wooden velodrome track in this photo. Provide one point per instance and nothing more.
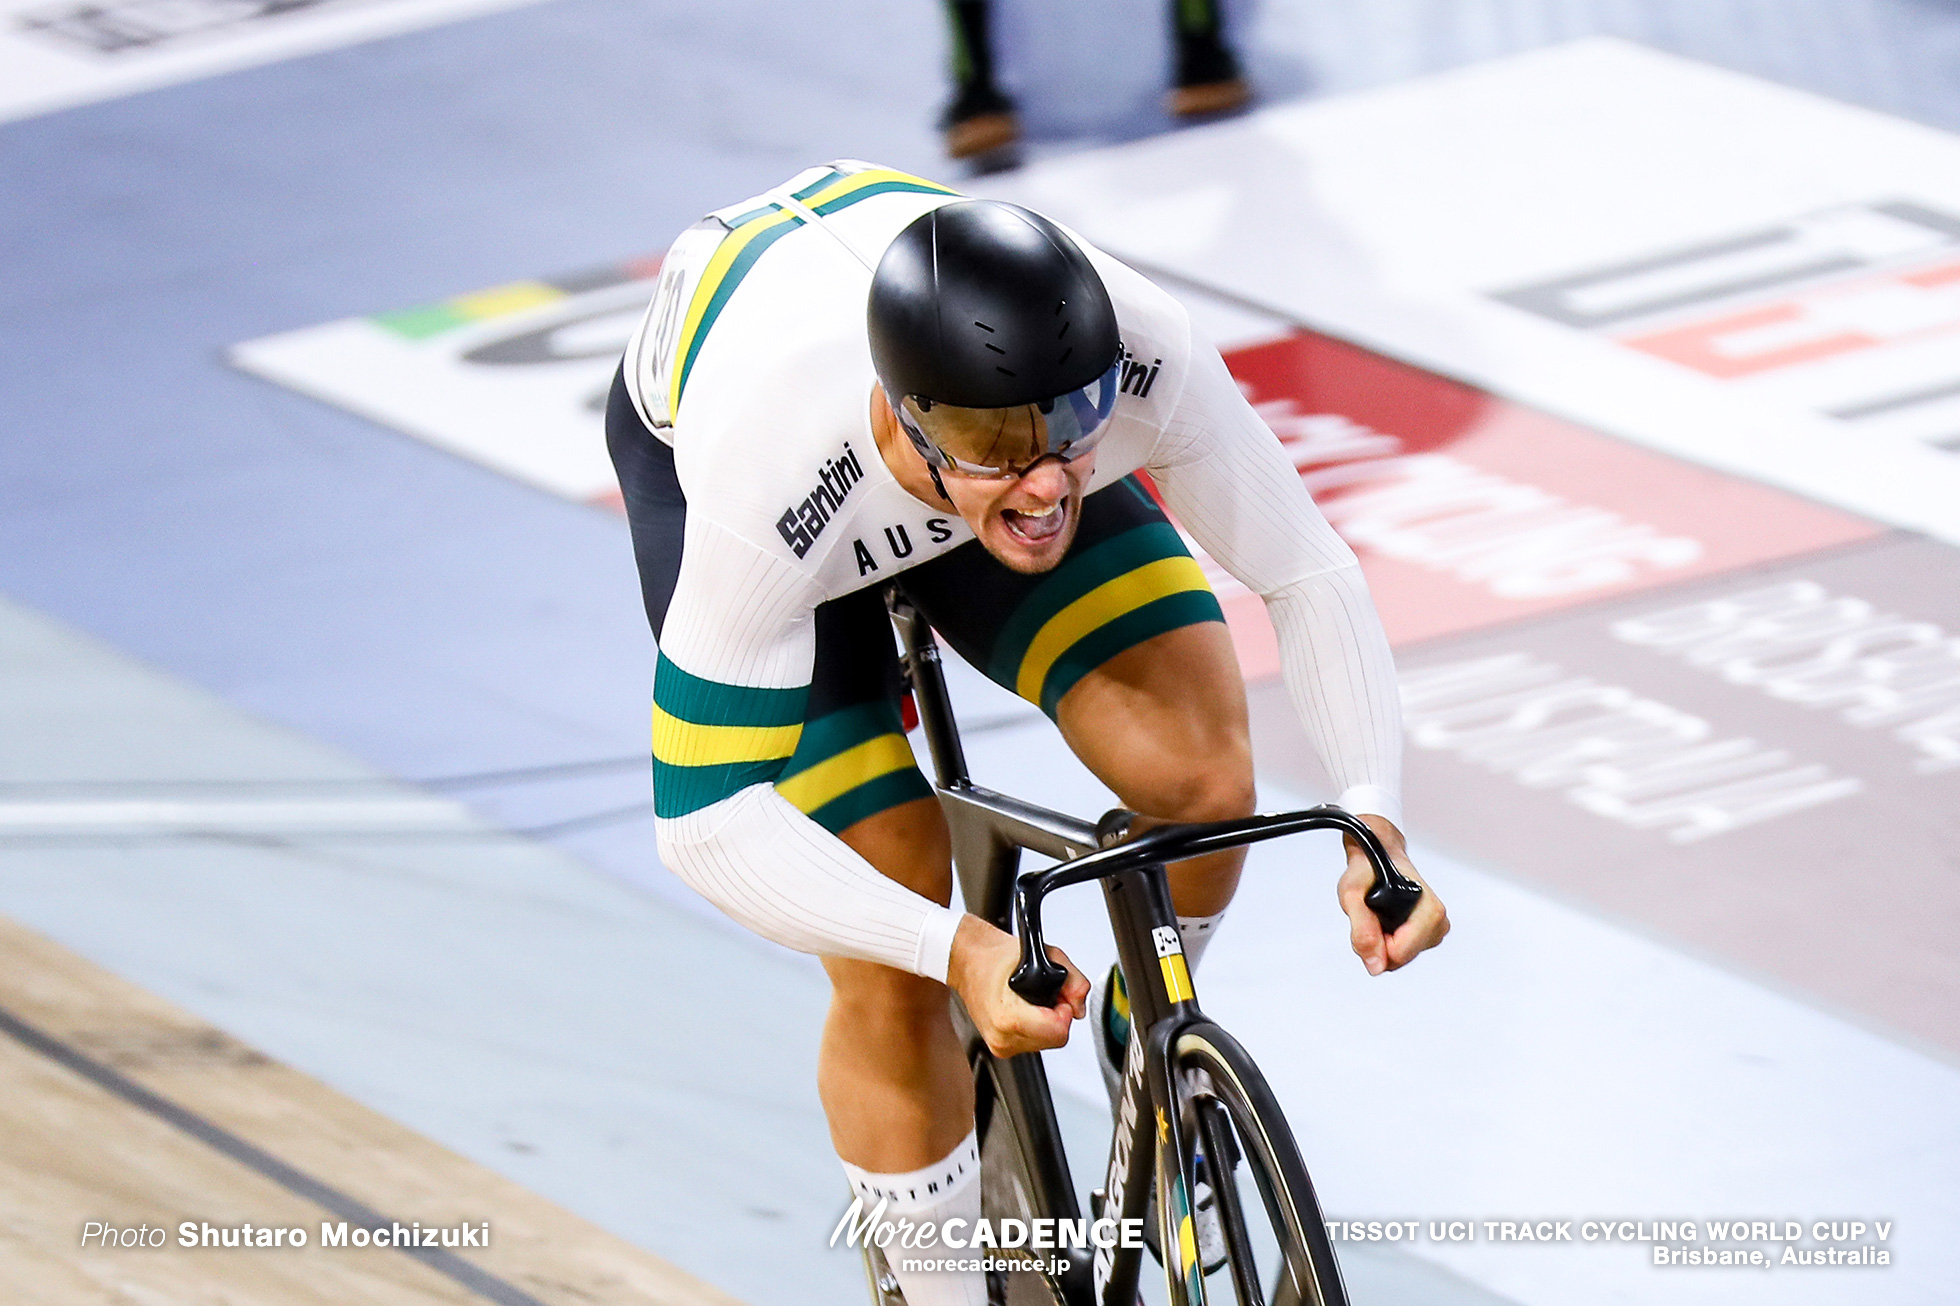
(122, 1109)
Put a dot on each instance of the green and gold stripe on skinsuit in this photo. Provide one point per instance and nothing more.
(851, 764)
(748, 236)
(712, 740)
(752, 233)
(840, 190)
(1111, 597)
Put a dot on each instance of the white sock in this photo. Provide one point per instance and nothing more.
(1197, 932)
(945, 1190)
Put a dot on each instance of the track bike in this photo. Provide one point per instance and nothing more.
(1192, 1108)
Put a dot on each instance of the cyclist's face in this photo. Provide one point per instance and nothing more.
(1027, 522)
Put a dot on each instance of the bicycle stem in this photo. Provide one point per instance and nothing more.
(1039, 980)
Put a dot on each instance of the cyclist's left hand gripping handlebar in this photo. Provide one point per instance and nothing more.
(1393, 896)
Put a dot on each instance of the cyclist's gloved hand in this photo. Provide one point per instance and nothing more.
(1423, 930)
(983, 959)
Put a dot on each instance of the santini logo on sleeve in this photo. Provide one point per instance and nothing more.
(801, 523)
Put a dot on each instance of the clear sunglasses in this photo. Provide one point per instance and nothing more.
(1073, 424)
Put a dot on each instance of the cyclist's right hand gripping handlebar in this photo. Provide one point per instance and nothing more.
(1039, 980)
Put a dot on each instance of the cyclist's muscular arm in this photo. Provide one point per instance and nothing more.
(736, 652)
(1226, 478)
(1229, 483)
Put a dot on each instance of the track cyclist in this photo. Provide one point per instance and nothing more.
(862, 376)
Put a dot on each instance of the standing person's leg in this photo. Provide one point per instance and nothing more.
(980, 117)
(1206, 78)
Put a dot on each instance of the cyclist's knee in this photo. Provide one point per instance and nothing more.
(1210, 789)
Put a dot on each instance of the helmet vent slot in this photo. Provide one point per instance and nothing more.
(963, 280)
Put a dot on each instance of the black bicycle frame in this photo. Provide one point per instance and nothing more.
(988, 832)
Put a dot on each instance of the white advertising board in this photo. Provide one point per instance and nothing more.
(513, 376)
(1729, 271)
(58, 53)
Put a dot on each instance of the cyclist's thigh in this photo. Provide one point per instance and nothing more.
(1123, 644)
(1126, 579)
(1164, 724)
(853, 772)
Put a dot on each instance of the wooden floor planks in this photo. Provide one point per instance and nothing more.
(118, 1107)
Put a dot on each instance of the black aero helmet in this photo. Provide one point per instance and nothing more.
(981, 304)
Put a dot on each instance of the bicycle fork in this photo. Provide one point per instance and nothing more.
(1147, 1150)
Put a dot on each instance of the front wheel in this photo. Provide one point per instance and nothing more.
(1277, 1252)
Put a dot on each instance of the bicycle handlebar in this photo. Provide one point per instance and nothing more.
(1039, 980)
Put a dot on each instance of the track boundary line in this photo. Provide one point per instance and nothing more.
(255, 1158)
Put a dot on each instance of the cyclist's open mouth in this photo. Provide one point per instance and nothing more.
(1036, 528)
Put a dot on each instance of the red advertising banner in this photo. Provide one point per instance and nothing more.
(1468, 511)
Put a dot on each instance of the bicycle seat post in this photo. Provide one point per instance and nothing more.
(928, 683)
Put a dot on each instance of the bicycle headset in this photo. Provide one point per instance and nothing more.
(984, 305)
